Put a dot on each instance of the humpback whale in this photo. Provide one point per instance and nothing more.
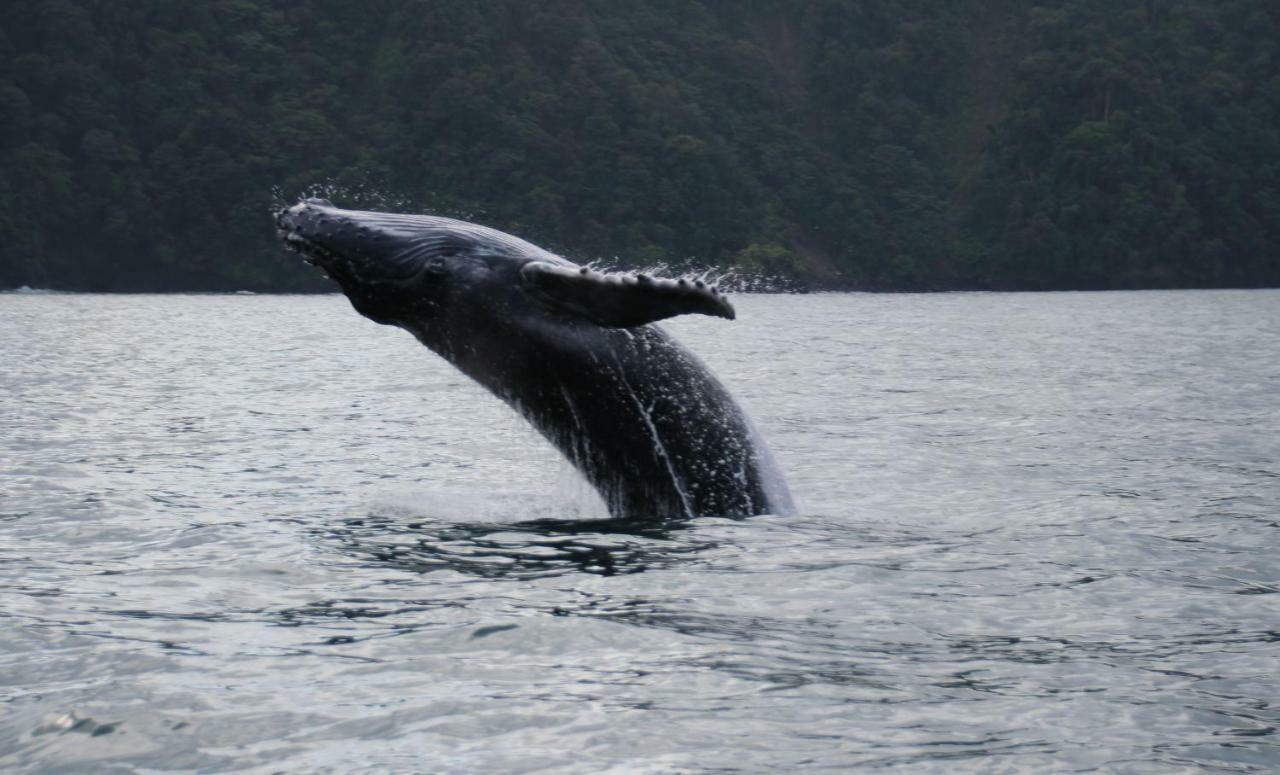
(571, 349)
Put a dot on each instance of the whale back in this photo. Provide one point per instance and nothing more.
(643, 419)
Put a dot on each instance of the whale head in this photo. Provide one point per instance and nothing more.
(396, 267)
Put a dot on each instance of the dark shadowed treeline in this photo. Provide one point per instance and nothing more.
(896, 145)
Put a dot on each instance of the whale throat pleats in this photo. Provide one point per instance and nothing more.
(621, 300)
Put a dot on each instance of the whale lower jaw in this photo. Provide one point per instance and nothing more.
(311, 252)
(360, 270)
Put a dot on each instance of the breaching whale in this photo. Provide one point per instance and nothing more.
(573, 350)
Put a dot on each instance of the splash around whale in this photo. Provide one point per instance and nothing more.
(572, 350)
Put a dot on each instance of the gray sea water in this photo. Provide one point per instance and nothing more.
(1038, 533)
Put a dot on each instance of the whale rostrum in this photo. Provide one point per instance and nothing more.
(572, 349)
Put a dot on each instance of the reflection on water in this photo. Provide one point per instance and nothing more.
(1038, 533)
(526, 549)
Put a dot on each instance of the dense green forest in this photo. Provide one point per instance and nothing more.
(902, 144)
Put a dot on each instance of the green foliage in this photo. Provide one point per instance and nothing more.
(1141, 149)
(908, 144)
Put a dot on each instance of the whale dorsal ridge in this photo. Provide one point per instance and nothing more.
(621, 300)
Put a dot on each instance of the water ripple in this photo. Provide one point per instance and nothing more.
(1038, 533)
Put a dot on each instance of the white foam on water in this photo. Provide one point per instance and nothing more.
(570, 497)
(28, 290)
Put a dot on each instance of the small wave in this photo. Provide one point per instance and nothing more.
(27, 290)
(464, 507)
(569, 497)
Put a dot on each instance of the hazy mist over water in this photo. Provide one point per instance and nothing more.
(1038, 532)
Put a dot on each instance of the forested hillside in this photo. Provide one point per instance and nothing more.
(903, 144)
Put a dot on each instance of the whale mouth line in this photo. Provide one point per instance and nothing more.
(338, 266)
(312, 252)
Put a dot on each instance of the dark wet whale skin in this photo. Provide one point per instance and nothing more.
(640, 416)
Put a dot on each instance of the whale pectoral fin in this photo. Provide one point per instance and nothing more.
(620, 300)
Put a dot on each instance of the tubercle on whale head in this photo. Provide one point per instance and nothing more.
(391, 267)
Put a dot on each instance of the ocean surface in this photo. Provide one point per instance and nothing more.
(1037, 533)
